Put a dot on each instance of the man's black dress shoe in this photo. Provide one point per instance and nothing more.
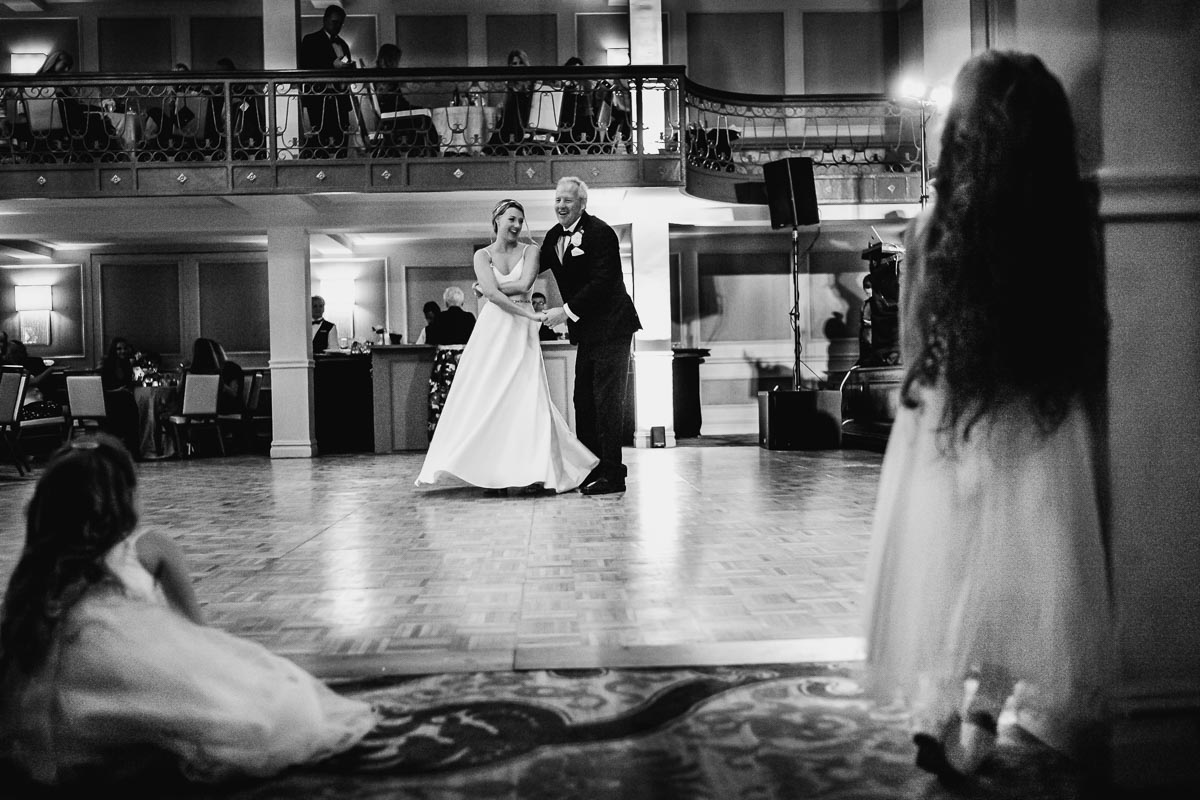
(603, 486)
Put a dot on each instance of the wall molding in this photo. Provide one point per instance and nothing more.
(1150, 195)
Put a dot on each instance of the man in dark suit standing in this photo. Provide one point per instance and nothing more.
(585, 257)
(327, 104)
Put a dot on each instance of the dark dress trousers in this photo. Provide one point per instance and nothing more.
(592, 286)
(327, 104)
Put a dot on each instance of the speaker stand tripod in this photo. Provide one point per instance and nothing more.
(794, 315)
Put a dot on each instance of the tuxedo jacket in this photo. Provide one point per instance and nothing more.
(591, 283)
(316, 50)
(452, 326)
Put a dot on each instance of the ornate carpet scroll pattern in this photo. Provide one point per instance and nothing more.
(790, 731)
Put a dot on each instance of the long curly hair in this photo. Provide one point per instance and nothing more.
(83, 505)
(1006, 301)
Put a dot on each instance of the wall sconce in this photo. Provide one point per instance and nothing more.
(618, 56)
(25, 63)
(34, 304)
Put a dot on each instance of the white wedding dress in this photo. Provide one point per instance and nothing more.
(499, 427)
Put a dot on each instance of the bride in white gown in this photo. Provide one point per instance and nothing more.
(499, 427)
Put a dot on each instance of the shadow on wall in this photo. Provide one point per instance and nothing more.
(767, 377)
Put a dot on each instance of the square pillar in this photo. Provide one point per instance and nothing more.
(288, 280)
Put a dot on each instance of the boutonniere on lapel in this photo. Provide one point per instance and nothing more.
(576, 240)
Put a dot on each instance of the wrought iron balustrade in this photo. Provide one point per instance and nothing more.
(368, 129)
(864, 148)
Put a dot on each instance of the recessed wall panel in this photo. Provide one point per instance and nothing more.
(239, 39)
(140, 301)
(432, 40)
(234, 305)
(737, 52)
(536, 34)
(135, 44)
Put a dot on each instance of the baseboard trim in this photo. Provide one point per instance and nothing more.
(1156, 737)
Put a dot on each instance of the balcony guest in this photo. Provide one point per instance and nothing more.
(100, 620)
(450, 330)
(585, 257)
(577, 121)
(987, 583)
(514, 115)
(412, 135)
(499, 428)
(324, 332)
(327, 104)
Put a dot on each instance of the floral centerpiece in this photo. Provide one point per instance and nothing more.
(146, 369)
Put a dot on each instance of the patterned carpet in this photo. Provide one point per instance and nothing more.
(785, 731)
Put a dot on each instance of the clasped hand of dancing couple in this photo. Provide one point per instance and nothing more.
(499, 428)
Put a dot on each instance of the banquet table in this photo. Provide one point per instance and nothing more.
(128, 127)
(155, 404)
(464, 129)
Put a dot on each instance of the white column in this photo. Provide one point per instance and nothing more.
(288, 281)
(281, 49)
(645, 32)
(652, 345)
(645, 47)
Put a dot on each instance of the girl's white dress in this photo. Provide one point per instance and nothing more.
(990, 558)
(129, 678)
(499, 427)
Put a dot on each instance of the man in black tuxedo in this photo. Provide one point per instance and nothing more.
(327, 104)
(585, 257)
(455, 324)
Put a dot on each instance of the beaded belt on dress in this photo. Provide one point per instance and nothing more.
(451, 346)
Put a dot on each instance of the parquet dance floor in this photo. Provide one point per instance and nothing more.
(715, 555)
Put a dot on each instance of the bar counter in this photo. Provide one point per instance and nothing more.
(400, 389)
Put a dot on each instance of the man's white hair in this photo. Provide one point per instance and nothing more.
(577, 182)
(453, 296)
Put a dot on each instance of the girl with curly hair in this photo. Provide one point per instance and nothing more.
(987, 579)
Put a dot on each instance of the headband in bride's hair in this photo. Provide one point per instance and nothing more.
(503, 206)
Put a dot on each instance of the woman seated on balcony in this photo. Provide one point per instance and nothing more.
(90, 131)
(514, 114)
(400, 133)
(577, 122)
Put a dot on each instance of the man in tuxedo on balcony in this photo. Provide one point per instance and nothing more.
(327, 104)
(585, 257)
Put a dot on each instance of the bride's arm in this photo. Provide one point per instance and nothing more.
(530, 266)
(486, 280)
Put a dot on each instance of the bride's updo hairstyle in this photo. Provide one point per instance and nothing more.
(501, 207)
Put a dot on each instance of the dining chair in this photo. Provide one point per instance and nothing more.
(12, 392)
(243, 422)
(85, 403)
(199, 411)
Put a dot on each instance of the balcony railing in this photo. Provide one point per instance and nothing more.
(370, 130)
(865, 148)
(284, 132)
